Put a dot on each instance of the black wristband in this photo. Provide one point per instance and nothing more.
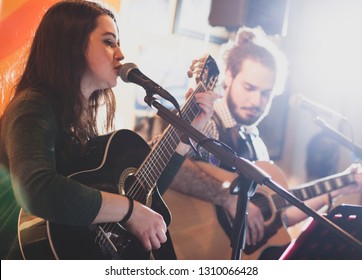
(129, 212)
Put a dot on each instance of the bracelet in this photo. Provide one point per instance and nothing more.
(129, 212)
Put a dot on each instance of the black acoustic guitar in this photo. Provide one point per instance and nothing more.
(120, 162)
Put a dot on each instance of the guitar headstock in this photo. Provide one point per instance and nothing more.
(205, 71)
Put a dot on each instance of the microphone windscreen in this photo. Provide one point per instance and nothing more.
(125, 69)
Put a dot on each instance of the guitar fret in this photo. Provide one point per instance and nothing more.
(327, 187)
(318, 190)
(298, 193)
(151, 171)
(195, 110)
(156, 164)
(150, 177)
(279, 201)
(304, 194)
(339, 182)
(175, 143)
(310, 192)
(330, 186)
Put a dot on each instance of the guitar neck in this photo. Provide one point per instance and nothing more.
(163, 150)
(315, 188)
(154, 164)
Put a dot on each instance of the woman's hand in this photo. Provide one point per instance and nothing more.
(148, 226)
(255, 231)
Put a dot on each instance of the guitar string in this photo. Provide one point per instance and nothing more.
(148, 168)
(164, 153)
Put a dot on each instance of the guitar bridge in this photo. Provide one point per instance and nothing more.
(107, 246)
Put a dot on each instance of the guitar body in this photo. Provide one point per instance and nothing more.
(108, 165)
(195, 230)
(198, 233)
(275, 234)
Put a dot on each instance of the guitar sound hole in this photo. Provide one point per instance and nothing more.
(135, 189)
(263, 203)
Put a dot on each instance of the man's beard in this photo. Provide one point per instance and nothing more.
(253, 120)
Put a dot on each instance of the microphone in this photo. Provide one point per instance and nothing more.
(130, 73)
(313, 107)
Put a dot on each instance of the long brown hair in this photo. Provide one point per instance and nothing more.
(57, 62)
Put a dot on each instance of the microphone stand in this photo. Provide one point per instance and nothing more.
(244, 188)
(246, 170)
(338, 136)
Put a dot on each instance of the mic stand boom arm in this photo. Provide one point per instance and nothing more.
(333, 133)
(245, 168)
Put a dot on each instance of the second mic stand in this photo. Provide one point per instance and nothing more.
(337, 136)
(248, 171)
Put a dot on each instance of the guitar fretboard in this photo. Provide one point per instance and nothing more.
(315, 188)
(156, 162)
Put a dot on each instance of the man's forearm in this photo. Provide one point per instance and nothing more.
(194, 181)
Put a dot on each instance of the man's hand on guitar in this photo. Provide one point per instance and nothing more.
(355, 188)
(148, 226)
(206, 101)
(255, 230)
(204, 96)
